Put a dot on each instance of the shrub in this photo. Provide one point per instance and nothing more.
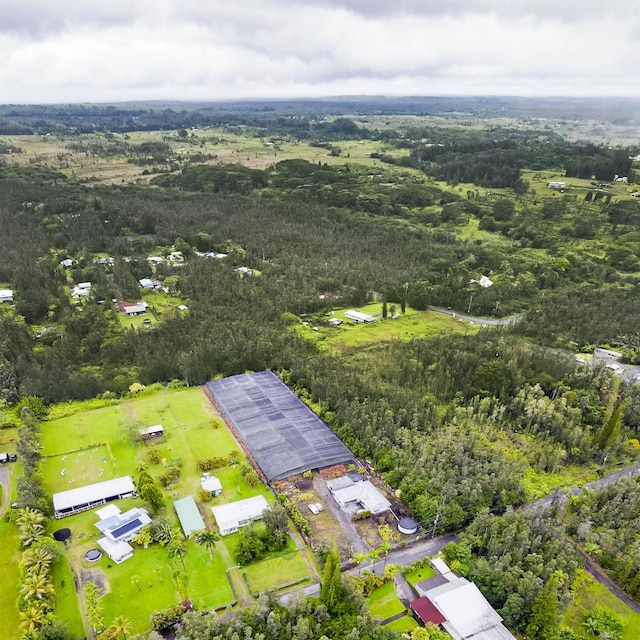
(170, 476)
(207, 464)
(166, 618)
(153, 455)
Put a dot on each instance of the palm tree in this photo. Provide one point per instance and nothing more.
(122, 625)
(37, 559)
(208, 539)
(30, 525)
(136, 580)
(176, 549)
(32, 618)
(36, 585)
(359, 559)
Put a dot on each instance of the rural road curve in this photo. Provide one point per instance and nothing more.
(485, 322)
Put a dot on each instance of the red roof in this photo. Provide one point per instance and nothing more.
(427, 611)
(123, 306)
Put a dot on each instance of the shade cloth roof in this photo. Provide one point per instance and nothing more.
(283, 435)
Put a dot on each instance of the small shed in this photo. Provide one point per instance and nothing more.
(189, 516)
(212, 485)
(156, 431)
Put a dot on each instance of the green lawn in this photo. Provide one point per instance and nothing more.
(589, 594)
(274, 573)
(66, 598)
(413, 324)
(9, 575)
(419, 575)
(403, 625)
(384, 602)
(538, 484)
(207, 584)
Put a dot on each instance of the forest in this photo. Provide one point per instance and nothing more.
(465, 426)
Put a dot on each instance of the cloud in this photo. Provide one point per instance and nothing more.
(71, 50)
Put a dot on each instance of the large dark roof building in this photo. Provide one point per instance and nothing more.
(281, 433)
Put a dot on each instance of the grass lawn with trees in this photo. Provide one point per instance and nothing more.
(103, 443)
(589, 594)
(10, 572)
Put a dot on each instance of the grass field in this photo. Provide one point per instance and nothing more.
(589, 594)
(419, 575)
(384, 602)
(412, 324)
(10, 573)
(274, 573)
(403, 625)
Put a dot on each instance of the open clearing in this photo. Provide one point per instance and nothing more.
(408, 326)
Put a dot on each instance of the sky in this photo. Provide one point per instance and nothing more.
(54, 51)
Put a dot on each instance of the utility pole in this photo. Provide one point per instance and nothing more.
(435, 524)
(470, 301)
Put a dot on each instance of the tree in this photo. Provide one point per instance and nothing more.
(93, 605)
(136, 580)
(332, 591)
(208, 539)
(121, 625)
(384, 310)
(30, 525)
(36, 585)
(177, 549)
(545, 611)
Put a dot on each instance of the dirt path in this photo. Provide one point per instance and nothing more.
(4, 481)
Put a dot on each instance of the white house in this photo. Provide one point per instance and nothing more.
(362, 493)
(557, 185)
(358, 316)
(6, 295)
(230, 517)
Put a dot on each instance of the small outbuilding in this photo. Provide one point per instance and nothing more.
(189, 515)
(211, 484)
(156, 431)
(359, 493)
(230, 517)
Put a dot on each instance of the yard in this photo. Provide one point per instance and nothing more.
(419, 575)
(384, 602)
(408, 326)
(100, 444)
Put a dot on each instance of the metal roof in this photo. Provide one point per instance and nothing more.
(284, 436)
(236, 514)
(189, 516)
(93, 492)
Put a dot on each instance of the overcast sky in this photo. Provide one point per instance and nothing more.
(113, 50)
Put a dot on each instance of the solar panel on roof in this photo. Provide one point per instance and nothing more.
(125, 528)
(282, 433)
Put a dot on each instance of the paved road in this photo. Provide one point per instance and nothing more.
(404, 556)
(485, 322)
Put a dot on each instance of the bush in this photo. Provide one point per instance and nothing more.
(166, 618)
(153, 455)
(207, 464)
(169, 477)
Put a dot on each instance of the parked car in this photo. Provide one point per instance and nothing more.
(314, 509)
(319, 507)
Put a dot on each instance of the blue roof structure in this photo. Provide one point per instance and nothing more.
(283, 435)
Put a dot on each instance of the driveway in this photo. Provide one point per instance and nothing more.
(484, 322)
